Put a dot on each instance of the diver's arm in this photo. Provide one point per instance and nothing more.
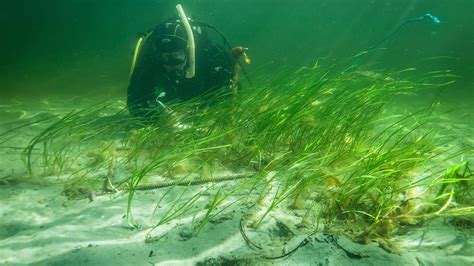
(237, 53)
(140, 91)
(235, 81)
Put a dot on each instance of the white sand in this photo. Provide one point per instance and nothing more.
(40, 226)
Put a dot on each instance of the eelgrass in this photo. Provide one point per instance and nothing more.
(316, 134)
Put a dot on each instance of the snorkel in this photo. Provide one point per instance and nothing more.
(191, 71)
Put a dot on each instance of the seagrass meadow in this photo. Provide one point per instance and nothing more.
(350, 157)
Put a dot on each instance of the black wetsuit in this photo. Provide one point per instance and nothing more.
(214, 69)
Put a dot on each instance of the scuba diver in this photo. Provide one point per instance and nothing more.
(177, 60)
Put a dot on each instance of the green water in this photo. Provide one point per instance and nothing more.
(83, 47)
(350, 154)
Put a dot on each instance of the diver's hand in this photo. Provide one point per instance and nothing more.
(240, 51)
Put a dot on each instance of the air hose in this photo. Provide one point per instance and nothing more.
(136, 52)
(435, 20)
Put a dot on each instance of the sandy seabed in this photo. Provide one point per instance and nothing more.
(39, 225)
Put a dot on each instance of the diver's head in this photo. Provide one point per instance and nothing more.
(171, 46)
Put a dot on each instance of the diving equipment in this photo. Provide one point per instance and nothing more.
(191, 71)
(428, 16)
(434, 19)
(138, 46)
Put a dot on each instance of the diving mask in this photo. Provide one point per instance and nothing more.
(173, 58)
